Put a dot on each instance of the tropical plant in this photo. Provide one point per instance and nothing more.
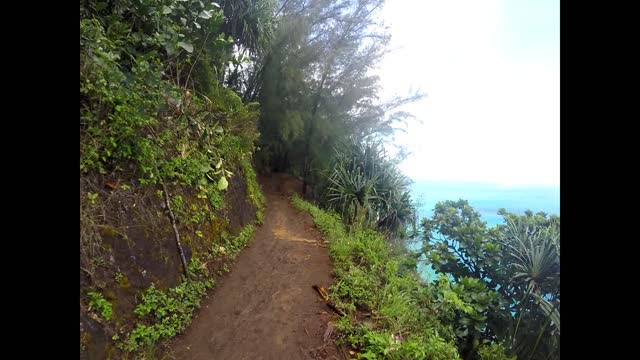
(534, 261)
(155, 115)
(365, 187)
(401, 314)
(518, 265)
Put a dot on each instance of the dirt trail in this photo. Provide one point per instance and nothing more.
(265, 308)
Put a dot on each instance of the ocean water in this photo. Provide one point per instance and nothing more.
(486, 199)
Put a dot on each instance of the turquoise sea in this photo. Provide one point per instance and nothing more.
(485, 198)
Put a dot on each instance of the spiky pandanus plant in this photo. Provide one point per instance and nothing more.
(396, 209)
(534, 257)
(367, 188)
(351, 193)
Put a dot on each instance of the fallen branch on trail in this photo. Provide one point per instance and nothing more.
(325, 297)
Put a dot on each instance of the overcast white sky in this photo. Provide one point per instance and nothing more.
(491, 72)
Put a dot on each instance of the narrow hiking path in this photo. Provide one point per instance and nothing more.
(266, 308)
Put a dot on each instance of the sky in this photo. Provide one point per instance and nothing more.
(491, 72)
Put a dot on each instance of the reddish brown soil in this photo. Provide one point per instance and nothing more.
(266, 308)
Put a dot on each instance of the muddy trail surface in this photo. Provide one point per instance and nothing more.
(266, 308)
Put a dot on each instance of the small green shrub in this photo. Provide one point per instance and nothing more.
(233, 246)
(253, 189)
(100, 304)
(493, 352)
(163, 314)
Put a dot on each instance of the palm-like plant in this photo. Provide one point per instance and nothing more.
(366, 186)
(351, 192)
(249, 22)
(534, 254)
(398, 211)
(534, 257)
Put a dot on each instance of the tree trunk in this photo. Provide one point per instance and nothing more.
(307, 161)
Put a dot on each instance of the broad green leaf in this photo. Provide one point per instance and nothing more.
(205, 14)
(166, 10)
(222, 184)
(186, 46)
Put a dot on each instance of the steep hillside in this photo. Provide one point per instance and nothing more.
(168, 193)
(128, 243)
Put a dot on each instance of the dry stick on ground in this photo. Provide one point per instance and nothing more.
(328, 333)
(325, 297)
(304, 353)
(342, 353)
(320, 347)
(90, 273)
(175, 230)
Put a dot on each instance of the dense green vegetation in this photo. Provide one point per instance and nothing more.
(316, 85)
(399, 316)
(180, 98)
(512, 312)
(159, 128)
(510, 273)
(367, 188)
